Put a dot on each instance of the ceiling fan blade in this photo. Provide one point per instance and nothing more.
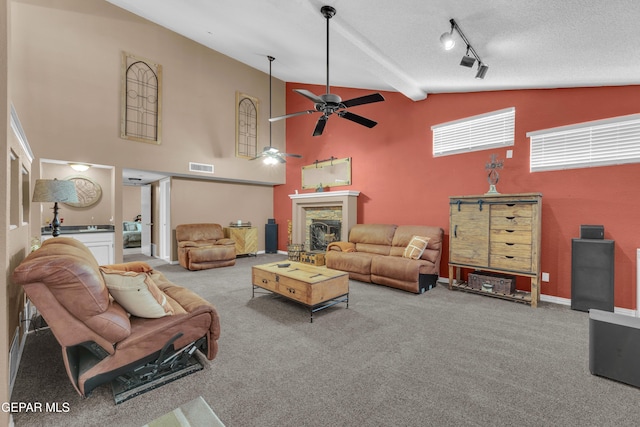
(310, 95)
(367, 99)
(286, 116)
(280, 159)
(358, 119)
(322, 122)
(299, 156)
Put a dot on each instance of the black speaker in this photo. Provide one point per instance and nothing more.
(592, 231)
(271, 237)
(592, 268)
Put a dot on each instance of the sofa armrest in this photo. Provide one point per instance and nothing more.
(225, 241)
(135, 266)
(342, 247)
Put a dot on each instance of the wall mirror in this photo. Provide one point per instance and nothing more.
(327, 173)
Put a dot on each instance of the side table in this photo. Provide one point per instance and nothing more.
(246, 239)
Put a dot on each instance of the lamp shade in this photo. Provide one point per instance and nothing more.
(52, 190)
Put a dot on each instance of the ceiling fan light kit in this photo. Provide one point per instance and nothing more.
(330, 103)
(467, 61)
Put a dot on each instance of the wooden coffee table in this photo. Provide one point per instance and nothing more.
(316, 288)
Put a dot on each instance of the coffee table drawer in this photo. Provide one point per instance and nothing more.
(294, 289)
(265, 280)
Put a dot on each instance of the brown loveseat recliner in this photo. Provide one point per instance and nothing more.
(374, 254)
(202, 246)
(100, 341)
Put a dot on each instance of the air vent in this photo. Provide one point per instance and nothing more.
(200, 167)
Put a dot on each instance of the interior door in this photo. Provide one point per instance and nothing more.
(145, 210)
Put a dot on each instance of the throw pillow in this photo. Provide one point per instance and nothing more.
(136, 293)
(416, 247)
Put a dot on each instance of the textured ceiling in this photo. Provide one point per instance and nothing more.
(384, 45)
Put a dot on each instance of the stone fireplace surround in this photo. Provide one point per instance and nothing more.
(346, 200)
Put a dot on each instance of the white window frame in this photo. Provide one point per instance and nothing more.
(482, 132)
(606, 142)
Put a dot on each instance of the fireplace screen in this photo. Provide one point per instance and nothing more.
(322, 232)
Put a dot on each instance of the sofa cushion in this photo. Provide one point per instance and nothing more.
(373, 234)
(416, 247)
(137, 293)
(195, 232)
(352, 262)
(405, 233)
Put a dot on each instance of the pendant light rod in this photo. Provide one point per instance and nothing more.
(271, 59)
(328, 12)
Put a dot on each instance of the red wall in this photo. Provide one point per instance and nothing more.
(402, 183)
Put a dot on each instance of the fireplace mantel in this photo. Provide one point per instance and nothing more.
(347, 200)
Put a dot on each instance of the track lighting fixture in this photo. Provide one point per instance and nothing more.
(447, 38)
(467, 61)
(482, 70)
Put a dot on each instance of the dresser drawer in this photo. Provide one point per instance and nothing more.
(511, 222)
(511, 249)
(511, 263)
(512, 209)
(511, 236)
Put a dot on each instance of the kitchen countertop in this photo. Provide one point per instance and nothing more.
(75, 229)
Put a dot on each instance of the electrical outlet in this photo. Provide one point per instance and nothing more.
(545, 277)
(509, 154)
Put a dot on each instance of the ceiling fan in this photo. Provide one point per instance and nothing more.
(330, 103)
(270, 154)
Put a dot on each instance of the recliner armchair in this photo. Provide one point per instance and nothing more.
(203, 246)
(100, 341)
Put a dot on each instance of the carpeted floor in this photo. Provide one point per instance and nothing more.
(444, 358)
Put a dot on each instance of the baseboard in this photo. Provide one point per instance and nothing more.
(555, 300)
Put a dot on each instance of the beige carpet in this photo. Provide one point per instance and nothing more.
(196, 413)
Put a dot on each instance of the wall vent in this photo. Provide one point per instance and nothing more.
(200, 167)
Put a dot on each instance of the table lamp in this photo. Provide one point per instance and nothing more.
(52, 190)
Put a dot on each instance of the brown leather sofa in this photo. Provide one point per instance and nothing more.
(375, 254)
(203, 246)
(101, 341)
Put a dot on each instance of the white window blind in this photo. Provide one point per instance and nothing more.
(490, 130)
(611, 141)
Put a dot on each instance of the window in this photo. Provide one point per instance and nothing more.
(611, 141)
(490, 130)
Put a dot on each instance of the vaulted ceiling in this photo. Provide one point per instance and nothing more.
(385, 45)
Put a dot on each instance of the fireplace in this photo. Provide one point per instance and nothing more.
(338, 206)
(322, 232)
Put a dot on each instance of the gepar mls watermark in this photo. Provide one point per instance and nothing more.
(55, 407)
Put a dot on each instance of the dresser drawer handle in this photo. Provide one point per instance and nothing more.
(509, 244)
(291, 290)
(509, 231)
(509, 257)
(265, 281)
(510, 218)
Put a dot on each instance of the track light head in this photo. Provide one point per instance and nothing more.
(468, 61)
(482, 70)
(447, 40)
